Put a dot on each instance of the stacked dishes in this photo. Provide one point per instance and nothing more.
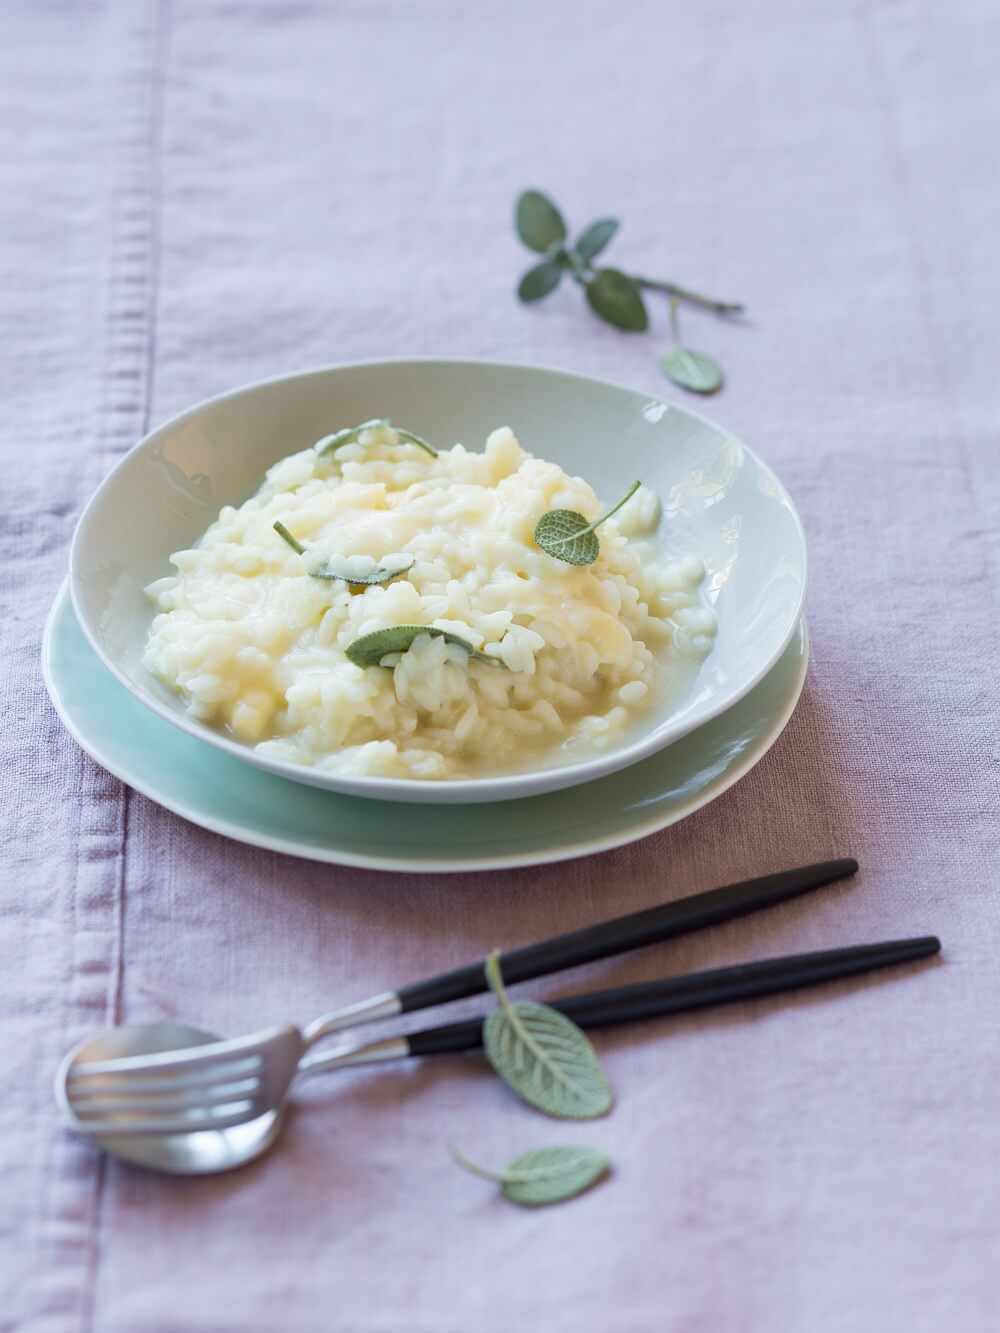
(384, 632)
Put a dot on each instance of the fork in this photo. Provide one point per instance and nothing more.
(229, 1083)
(221, 1083)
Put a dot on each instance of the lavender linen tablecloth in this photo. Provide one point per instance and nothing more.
(198, 193)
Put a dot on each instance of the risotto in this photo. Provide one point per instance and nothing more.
(511, 657)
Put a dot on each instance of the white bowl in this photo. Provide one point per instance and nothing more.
(719, 501)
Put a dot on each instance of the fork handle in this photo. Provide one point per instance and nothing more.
(699, 990)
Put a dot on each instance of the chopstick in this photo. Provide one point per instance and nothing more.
(698, 990)
(622, 933)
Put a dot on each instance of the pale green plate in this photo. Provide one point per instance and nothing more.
(221, 793)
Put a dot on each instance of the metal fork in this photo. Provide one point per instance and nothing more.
(233, 1082)
(143, 1086)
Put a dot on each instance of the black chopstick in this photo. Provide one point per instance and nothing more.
(699, 990)
(633, 931)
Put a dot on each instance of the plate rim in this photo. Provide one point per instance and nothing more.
(409, 790)
(333, 856)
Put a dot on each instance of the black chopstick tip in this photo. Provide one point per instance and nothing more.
(821, 873)
(911, 949)
(841, 866)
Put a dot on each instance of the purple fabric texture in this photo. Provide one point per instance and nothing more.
(198, 193)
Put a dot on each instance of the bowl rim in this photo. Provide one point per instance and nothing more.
(453, 790)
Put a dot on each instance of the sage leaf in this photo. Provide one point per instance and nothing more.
(329, 444)
(546, 1175)
(539, 223)
(593, 239)
(568, 536)
(369, 650)
(540, 280)
(379, 574)
(543, 1056)
(418, 440)
(692, 370)
(613, 296)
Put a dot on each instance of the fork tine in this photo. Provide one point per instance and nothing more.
(219, 1118)
(192, 1057)
(193, 1111)
(166, 1099)
(85, 1081)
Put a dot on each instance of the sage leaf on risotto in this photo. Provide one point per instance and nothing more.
(371, 648)
(566, 535)
(357, 569)
(329, 444)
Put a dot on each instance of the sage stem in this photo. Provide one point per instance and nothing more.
(675, 327)
(685, 294)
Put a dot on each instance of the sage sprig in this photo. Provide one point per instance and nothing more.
(329, 444)
(369, 650)
(614, 296)
(380, 574)
(546, 1175)
(691, 370)
(568, 536)
(543, 1056)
